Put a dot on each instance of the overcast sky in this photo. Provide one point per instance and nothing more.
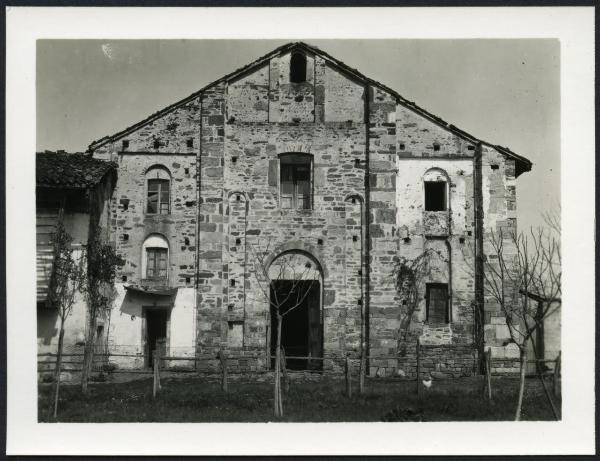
(503, 91)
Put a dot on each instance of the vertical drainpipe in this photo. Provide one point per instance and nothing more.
(198, 197)
(478, 211)
(367, 300)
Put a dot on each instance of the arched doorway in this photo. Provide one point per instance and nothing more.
(296, 293)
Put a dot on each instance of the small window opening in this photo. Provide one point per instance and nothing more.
(299, 98)
(402, 146)
(469, 233)
(124, 278)
(406, 239)
(435, 195)
(320, 242)
(232, 282)
(230, 307)
(238, 198)
(186, 170)
(298, 68)
(471, 147)
(436, 146)
(437, 303)
(356, 162)
(495, 167)
(359, 271)
(233, 159)
(125, 144)
(238, 241)
(125, 203)
(186, 241)
(188, 280)
(190, 142)
(125, 237)
(353, 201)
(359, 302)
(354, 238)
(156, 143)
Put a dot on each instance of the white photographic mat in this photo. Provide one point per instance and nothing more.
(570, 177)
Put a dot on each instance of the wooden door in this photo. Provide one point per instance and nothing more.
(315, 325)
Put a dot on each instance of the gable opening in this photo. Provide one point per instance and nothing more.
(298, 67)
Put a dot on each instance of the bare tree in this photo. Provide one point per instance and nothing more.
(300, 275)
(66, 279)
(516, 266)
(100, 293)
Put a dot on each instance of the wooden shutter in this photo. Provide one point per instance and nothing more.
(162, 263)
(153, 194)
(437, 303)
(303, 186)
(164, 196)
(150, 263)
(273, 172)
(287, 186)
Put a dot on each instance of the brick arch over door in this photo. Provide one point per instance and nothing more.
(298, 246)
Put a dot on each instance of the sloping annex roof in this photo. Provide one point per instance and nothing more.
(70, 171)
(523, 164)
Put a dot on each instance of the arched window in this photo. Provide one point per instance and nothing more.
(298, 67)
(436, 190)
(158, 187)
(295, 181)
(155, 258)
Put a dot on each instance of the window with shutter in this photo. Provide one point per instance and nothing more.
(295, 181)
(158, 196)
(437, 303)
(156, 263)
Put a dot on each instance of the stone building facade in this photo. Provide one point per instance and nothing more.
(299, 154)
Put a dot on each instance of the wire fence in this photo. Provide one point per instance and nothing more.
(224, 364)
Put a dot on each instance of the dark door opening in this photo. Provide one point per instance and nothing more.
(301, 332)
(156, 333)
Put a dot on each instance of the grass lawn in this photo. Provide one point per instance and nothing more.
(193, 399)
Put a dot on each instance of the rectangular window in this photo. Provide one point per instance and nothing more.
(156, 263)
(295, 178)
(158, 196)
(435, 195)
(437, 303)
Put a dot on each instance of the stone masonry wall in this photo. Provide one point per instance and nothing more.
(227, 212)
(499, 199)
(170, 142)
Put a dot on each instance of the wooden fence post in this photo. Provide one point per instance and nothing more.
(223, 359)
(556, 377)
(418, 369)
(348, 381)
(488, 371)
(155, 374)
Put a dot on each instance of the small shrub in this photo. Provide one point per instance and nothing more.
(108, 367)
(47, 378)
(400, 414)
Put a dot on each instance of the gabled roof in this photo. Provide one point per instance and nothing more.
(70, 171)
(523, 163)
